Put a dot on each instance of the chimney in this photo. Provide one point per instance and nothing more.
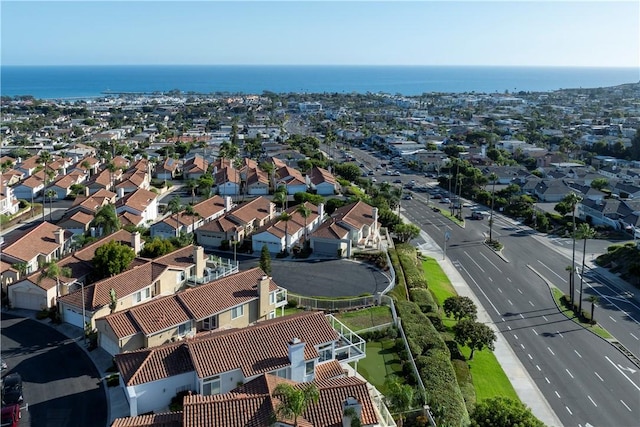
(87, 191)
(120, 193)
(264, 307)
(296, 357)
(199, 260)
(374, 213)
(321, 211)
(227, 203)
(136, 244)
(59, 236)
(351, 409)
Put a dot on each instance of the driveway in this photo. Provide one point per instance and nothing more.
(61, 384)
(324, 277)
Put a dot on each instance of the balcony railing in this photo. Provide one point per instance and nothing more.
(281, 298)
(350, 347)
(216, 268)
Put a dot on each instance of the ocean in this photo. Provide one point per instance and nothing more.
(83, 82)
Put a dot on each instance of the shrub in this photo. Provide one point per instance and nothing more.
(42, 314)
(423, 298)
(113, 380)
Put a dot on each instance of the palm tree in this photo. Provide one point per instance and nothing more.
(51, 194)
(492, 177)
(593, 299)
(44, 158)
(305, 213)
(585, 232)
(286, 218)
(106, 219)
(295, 400)
(191, 185)
(399, 396)
(280, 198)
(193, 214)
(570, 269)
(175, 207)
(572, 199)
(51, 270)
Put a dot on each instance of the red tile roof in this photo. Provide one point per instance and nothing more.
(170, 419)
(40, 239)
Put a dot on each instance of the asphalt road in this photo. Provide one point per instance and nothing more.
(60, 383)
(585, 379)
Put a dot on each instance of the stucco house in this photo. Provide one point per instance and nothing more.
(323, 182)
(281, 235)
(347, 228)
(234, 301)
(207, 211)
(291, 347)
(142, 205)
(292, 179)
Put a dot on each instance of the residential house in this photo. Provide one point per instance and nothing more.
(62, 185)
(30, 187)
(348, 227)
(139, 208)
(9, 204)
(145, 280)
(42, 243)
(238, 223)
(167, 169)
(282, 235)
(227, 180)
(292, 347)
(103, 180)
(13, 176)
(553, 190)
(205, 211)
(253, 405)
(195, 167)
(234, 301)
(133, 180)
(28, 166)
(34, 292)
(606, 212)
(257, 182)
(292, 179)
(323, 182)
(626, 191)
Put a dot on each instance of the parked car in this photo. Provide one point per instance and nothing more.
(12, 389)
(397, 181)
(10, 416)
(477, 215)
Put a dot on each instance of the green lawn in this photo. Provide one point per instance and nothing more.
(437, 281)
(596, 329)
(381, 361)
(489, 380)
(366, 318)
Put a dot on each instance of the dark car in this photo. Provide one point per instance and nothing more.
(10, 416)
(12, 389)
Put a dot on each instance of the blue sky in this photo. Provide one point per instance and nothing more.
(518, 33)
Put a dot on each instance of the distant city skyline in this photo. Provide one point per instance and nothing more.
(499, 33)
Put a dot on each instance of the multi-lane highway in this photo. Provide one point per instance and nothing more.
(584, 378)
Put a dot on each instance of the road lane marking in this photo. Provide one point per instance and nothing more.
(545, 318)
(516, 337)
(557, 394)
(509, 280)
(490, 279)
(598, 376)
(551, 351)
(520, 291)
(478, 286)
(576, 351)
(613, 319)
(534, 331)
(569, 373)
(489, 261)
(634, 336)
(522, 345)
(521, 316)
(571, 413)
(530, 356)
(625, 375)
(499, 290)
(558, 332)
(509, 301)
(548, 382)
(531, 304)
(625, 405)
(538, 368)
(559, 276)
(594, 403)
(474, 261)
(509, 327)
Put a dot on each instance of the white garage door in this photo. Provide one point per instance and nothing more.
(29, 301)
(73, 318)
(325, 248)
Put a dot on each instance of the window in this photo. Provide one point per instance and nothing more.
(272, 298)
(142, 295)
(237, 312)
(272, 315)
(283, 373)
(184, 329)
(210, 323)
(326, 352)
(180, 277)
(308, 368)
(211, 385)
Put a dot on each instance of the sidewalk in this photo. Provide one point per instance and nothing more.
(520, 379)
(117, 405)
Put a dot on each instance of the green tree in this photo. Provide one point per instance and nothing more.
(593, 299)
(305, 213)
(44, 159)
(191, 185)
(51, 270)
(406, 232)
(348, 171)
(175, 207)
(600, 183)
(294, 400)
(112, 258)
(265, 260)
(493, 178)
(280, 198)
(503, 412)
(460, 307)
(113, 300)
(156, 247)
(572, 199)
(475, 335)
(285, 217)
(584, 232)
(400, 397)
(106, 220)
(51, 194)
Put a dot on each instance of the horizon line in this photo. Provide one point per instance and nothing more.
(323, 65)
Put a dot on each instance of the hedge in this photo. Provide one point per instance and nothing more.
(424, 299)
(413, 273)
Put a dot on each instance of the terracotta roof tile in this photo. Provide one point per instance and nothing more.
(170, 419)
(143, 366)
(159, 314)
(40, 239)
(227, 411)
